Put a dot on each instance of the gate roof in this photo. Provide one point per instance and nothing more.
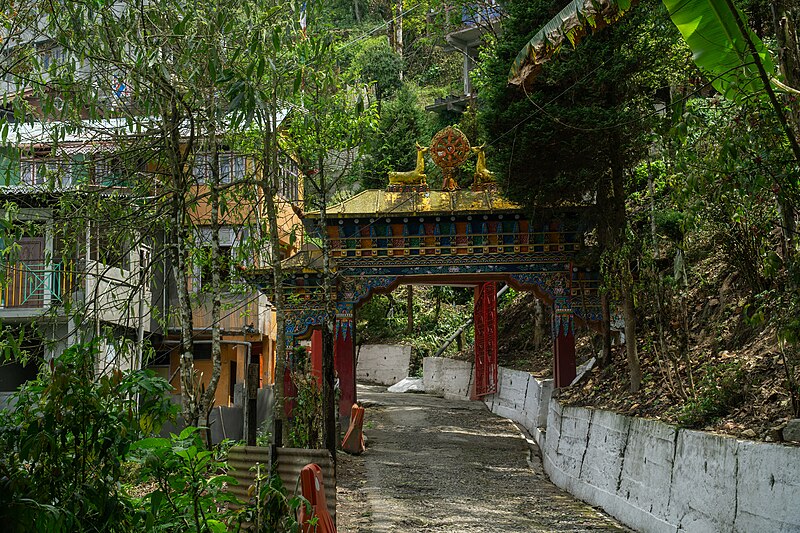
(379, 202)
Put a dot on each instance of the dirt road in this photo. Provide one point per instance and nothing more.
(434, 465)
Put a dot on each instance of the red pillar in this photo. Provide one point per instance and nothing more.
(563, 349)
(485, 320)
(316, 356)
(344, 356)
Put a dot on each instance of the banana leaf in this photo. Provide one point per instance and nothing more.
(719, 49)
(708, 27)
(578, 19)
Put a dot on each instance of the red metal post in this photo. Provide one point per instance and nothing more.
(316, 356)
(563, 349)
(485, 319)
(345, 364)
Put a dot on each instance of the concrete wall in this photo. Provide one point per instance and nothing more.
(521, 398)
(447, 377)
(385, 364)
(651, 476)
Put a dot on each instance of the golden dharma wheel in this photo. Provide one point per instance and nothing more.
(449, 148)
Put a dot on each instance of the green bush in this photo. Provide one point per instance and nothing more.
(723, 388)
(189, 494)
(64, 443)
(272, 510)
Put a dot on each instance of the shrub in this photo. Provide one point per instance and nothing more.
(189, 494)
(722, 388)
(64, 443)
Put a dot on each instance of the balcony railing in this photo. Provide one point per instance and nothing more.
(238, 311)
(35, 284)
(480, 14)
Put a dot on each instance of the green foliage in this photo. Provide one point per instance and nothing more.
(189, 494)
(272, 510)
(734, 162)
(64, 443)
(670, 223)
(305, 429)
(402, 123)
(719, 48)
(438, 312)
(377, 63)
(557, 141)
(721, 389)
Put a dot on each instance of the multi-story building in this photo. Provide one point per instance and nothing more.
(77, 272)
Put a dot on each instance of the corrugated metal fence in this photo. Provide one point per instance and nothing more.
(242, 461)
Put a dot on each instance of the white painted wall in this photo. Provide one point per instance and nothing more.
(649, 475)
(521, 398)
(385, 364)
(447, 377)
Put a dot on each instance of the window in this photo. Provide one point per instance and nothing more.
(108, 171)
(44, 171)
(110, 248)
(51, 55)
(26, 172)
(206, 272)
(289, 186)
(232, 167)
(229, 239)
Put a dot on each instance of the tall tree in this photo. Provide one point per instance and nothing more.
(261, 88)
(580, 127)
(178, 103)
(331, 125)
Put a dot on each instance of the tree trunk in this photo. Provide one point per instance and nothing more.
(398, 28)
(634, 367)
(269, 189)
(787, 19)
(539, 324)
(207, 401)
(180, 237)
(605, 309)
(328, 377)
(410, 309)
(625, 276)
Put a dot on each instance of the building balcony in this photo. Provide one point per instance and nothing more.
(30, 288)
(240, 313)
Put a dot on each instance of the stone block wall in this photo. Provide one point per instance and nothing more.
(447, 377)
(649, 475)
(385, 364)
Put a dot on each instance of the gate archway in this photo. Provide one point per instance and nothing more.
(382, 239)
(408, 234)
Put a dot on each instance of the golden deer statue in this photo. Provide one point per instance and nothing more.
(411, 177)
(482, 174)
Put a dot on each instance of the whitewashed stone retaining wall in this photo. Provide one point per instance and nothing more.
(447, 377)
(385, 364)
(521, 398)
(649, 475)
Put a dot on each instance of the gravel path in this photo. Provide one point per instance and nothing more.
(435, 465)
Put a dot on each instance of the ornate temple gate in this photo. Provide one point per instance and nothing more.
(485, 320)
(407, 234)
